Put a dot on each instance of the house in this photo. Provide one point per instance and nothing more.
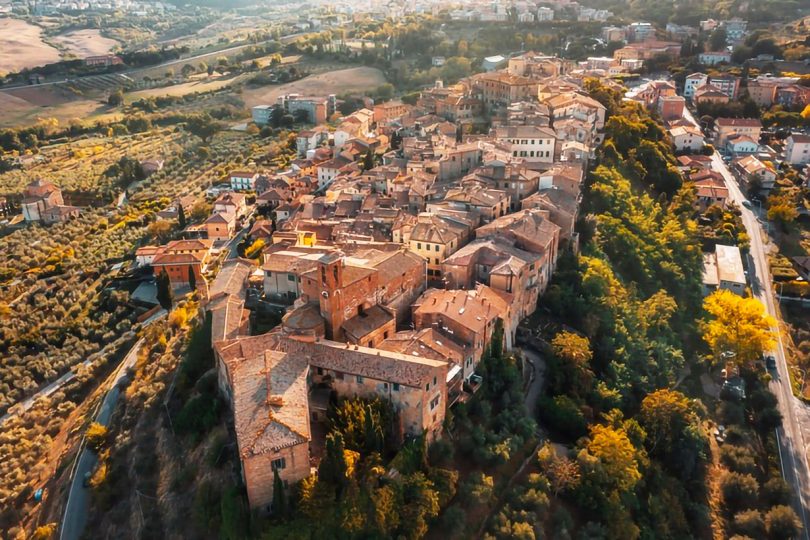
(640, 31)
(710, 189)
(728, 84)
(231, 203)
(797, 149)
(314, 110)
(687, 138)
(435, 237)
(488, 203)
(533, 144)
(517, 180)
(329, 170)
(42, 201)
(562, 208)
(104, 60)
(498, 90)
(723, 269)
(146, 254)
(310, 139)
(692, 83)
(243, 180)
(221, 226)
(749, 168)
(545, 14)
(714, 57)
(708, 93)
(467, 317)
(390, 110)
(724, 128)
(262, 114)
(579, 106)
(647, 50)
(741, 144)
(179, 267)
(670, 107)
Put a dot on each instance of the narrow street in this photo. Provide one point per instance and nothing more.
(792, 449)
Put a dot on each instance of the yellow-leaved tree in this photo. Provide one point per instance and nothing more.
(615, 453)
(737, 325)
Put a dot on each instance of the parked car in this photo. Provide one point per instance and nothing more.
(747, 205)
(770, 363)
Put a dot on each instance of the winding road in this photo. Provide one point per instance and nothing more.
(792, 449)
(75, 517)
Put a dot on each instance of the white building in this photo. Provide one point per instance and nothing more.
(243, 179)
(714, 58)
(797, 149)
(534, 144)
(687, 138)
(692, 83)
(545, 14)
(723, 269)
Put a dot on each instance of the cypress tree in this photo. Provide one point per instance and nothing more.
(181, 216)
(192, 279)
(165, 295)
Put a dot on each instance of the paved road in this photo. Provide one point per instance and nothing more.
(75, 517)
(790, 438)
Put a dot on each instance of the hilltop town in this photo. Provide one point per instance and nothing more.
(524, 270)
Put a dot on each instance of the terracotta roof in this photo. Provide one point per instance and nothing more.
(165, 259)
(232, 278)
(425, 343)
(738, 122)
(270, 405)
(466, 308)
(365, 323)
(366, 362)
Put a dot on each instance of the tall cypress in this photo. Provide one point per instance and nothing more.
(165, 295)
(181, 216)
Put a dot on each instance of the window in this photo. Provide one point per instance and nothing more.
(434, 402)
(419, 245)
(320, 371)
(395, 387)
(339, 375)
(434, 381)
(269, 273)
(278, 464)
(359, 379)
(290, 277)
(427, 387)
(437, 247)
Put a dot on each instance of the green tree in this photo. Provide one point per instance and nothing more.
(717, 41)
(739, 491)
(782, 523)
(192, 279)
(333, 469)
(165, 294)
(115, 98)
(203, 126)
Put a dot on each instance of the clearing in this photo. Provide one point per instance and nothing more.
(21, 46)
(25, 105)
(202, 85)
(343, 81)
(84, 43)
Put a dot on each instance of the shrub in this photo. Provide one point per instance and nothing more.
(776, 492)
(96, 435)
(738, 458)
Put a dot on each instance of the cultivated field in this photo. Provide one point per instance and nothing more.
(202, 85)
(21, 46)
(23, 106)
(83, 43)
(359, 79)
